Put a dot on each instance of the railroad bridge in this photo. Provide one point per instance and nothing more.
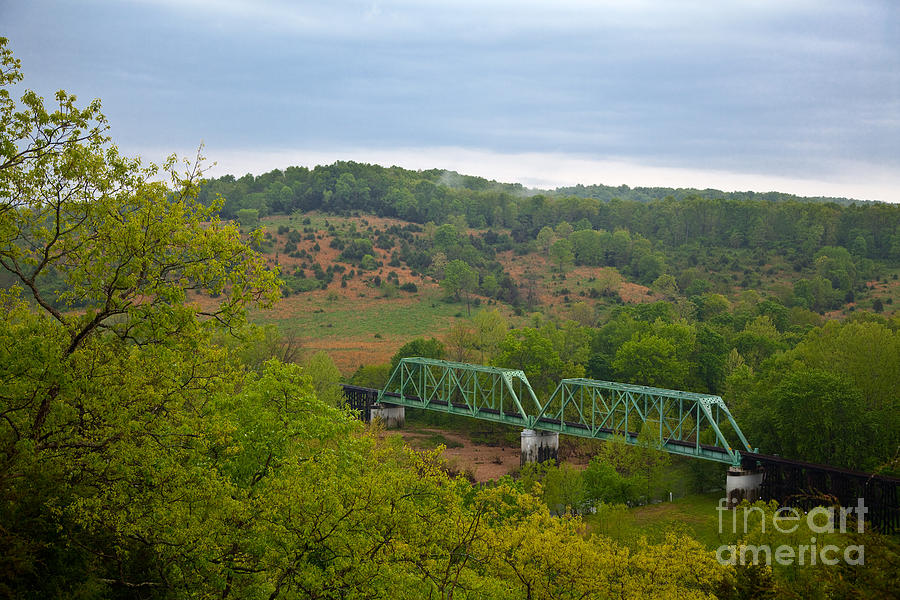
(681, 423)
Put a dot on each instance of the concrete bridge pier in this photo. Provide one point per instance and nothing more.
(538, 446)
(743, 484)
(392, 416)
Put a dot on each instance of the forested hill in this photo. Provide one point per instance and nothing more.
(648, 194)
(671, 218)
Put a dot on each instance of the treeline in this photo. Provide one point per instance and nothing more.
(648, 194)
(796, 227)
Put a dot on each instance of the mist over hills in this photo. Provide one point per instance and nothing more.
(455, 180)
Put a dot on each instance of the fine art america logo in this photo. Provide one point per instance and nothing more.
(786, 520)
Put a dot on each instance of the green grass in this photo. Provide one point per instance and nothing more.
(695, 515)
(432, 440)
(319, 318)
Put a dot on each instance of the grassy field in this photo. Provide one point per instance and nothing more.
(694, 514)
(320, 317)
(361, 330)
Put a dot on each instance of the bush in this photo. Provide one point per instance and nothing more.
(248, 218)
(297, 285)
(368, 262)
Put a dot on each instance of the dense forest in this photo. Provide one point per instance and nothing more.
(795, 226)
(155, 443)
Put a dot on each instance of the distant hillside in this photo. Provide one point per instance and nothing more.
(795, 228)
(648, 194)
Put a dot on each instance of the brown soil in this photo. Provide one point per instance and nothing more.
(634, 293)
(484, 463)
(326, 255)
(351, 352)
(538, 267)
(489, 463)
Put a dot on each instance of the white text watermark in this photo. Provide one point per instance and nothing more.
(787, 520)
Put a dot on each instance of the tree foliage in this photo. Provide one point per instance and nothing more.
(459, 280)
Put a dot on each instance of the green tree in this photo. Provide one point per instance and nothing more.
(650, 459)
(836, 264)
(424, 348)
(818, 418)
(527, 349)
(868, 354)
(545, 238)
(710, 358)
(584, 314)
(563, 489)
(489, 285)
(563, 230)
(106, 409)
(603, 483)
(816, 294)
(759, 340)
(324, 377)
(609, 281)
(446, 237)
(489, 331)
(254, 345)
(372, 376)
(248, 218)
(460, 341)
(368, 263)
(650, 360)
(647, 266)
(665, 285)
(459, 280)
(561, 255)
(588, 247)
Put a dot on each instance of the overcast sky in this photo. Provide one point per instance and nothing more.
(795, 96)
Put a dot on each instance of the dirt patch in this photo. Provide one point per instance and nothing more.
(349, 354)
(484, 463)
(363, 281)
(634, 293)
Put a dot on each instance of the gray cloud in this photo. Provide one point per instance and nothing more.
(778, 88)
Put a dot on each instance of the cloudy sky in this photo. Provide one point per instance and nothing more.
(795, 96)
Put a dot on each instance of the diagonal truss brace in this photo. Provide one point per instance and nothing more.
(604, 409)
(490, 393)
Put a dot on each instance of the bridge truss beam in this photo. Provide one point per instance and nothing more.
(487, 393)
(677, 420)
(579, 407)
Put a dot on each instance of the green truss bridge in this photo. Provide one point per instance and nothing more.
(683, 423)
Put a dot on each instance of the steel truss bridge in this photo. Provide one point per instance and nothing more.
(681, 423)
(677, 422)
